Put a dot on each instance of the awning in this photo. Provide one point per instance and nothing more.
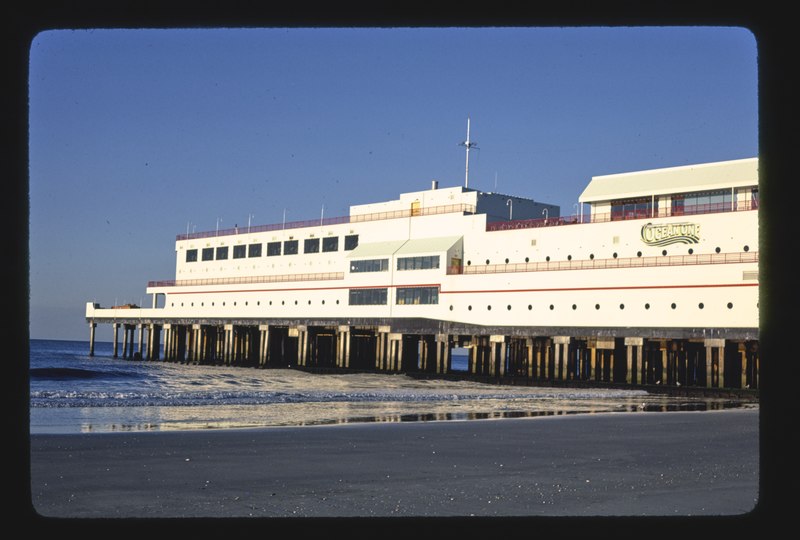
(403, 247)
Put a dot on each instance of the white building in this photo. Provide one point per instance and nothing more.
(664, 259)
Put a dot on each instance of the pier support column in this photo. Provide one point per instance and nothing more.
(546, 371)
(153, 341)
(382, 347)
(197, 345)
(530, 356)
(561, 344)
(714, 346)
(442, 353)
(228, 354)
(139, 348)
(634, 346)
(497, 356)
(115, 328)
(93, 327)
(343, 347)
(167, 341)
(391, 351)
(125, 332)
(263, 345)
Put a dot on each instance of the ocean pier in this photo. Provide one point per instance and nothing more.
(656, 285)
(420, 347)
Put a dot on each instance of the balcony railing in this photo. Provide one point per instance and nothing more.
(627, 262)
(375, 216)
(244, 280)
(609, 216)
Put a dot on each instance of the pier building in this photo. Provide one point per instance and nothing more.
(657, 283)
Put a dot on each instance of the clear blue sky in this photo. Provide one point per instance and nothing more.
(137, 134)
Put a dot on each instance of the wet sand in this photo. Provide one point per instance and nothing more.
(618, 464)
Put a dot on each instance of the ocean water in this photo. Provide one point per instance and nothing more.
(71, 392)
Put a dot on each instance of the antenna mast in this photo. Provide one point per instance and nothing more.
(468, 144)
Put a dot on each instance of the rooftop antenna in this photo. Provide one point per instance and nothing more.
(468, 144)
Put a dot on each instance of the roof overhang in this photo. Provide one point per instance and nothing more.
(689, 178)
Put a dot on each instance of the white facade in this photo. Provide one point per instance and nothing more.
(652, 255)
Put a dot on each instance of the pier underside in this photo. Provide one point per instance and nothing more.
(689, 357)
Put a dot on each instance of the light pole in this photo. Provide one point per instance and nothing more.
(544, 213)
(510, 205)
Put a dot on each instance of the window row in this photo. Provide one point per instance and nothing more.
(403, 296)
(287, 247)
(370, 265)
(418, 263)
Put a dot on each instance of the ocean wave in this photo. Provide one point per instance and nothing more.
(57, 399)
(65, 373)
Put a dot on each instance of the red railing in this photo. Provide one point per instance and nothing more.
(627, 262)
(376, 216)
(322, 276)
(608, 216)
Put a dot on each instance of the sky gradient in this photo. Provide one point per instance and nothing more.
(136, 136)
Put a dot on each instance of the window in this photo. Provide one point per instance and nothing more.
(311, 245)
(273, 249)
(191, 255)
(417, 295)
(208, 254)
(350, 242)
(418, 263)
(330, 243)
(254, 250)
(370, 265)
(701, 202)
(368, 297)
(290, 247)
(239, 252)
(222, 253)
(631, 208)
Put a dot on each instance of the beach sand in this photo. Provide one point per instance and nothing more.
(616, 464)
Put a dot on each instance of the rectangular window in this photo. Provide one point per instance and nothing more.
(330, 243)
(426, 262)
(273, 249)
(290, 247)
(208, 254)
(191, 255)
(350, 242)
(254, 250)
(239, 252)
(368, 297)
(370, 265)
(311, 245)
(222, 253)
(631, 208)
(417, 295)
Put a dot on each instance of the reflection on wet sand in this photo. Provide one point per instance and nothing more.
(319, 414)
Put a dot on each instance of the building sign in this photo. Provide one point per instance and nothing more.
(672, 233)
